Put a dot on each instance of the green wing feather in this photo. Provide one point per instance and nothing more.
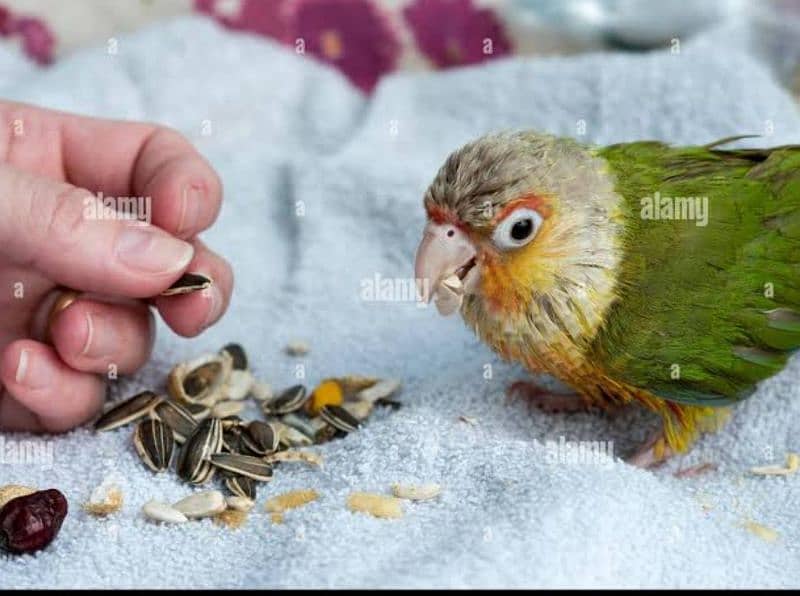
(705, 312)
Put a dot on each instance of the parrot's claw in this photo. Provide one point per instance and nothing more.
(653, 453)
(544, 399)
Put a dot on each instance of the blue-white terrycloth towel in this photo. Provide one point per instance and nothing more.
(323, 194)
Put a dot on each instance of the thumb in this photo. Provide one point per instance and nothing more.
(63, 232)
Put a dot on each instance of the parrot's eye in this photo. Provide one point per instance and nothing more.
(517, 229)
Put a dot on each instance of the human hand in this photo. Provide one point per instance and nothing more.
(52, 168)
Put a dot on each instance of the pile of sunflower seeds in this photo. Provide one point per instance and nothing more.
(199, 420)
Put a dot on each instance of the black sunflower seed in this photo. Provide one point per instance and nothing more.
(290, 400)
(339, 418)
(238, 355)
(243, 465)
(154, 443)
(241, 486)
(260, 438)
(206, 440)
(178, 418)
(187, 283)
(128, 411)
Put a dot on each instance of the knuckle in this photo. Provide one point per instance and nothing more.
(61, 216)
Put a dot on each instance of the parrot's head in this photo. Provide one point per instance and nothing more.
(530, 224)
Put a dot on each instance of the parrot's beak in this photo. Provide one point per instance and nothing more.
(445, 250)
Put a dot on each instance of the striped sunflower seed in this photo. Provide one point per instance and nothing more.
(241, 486)
(238, 355)
(128, 411)
(206, 440)
(198, 411)
(339, 418)
(232, 439)
(154, 443)
(178, 417)
(290, 400)
(316, 428)
(187, 283)
(289, 436)
(260, 438)
(244, 465)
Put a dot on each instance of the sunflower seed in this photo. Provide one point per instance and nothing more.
(161, 512)
(203, 504)
(316, 427)
(177, 417)
(339, 418)
(232, 439)
(416, 492)
(244, 465)
(380, 390)
(198, 411)
(290, 400)
(449, 295)
(187, 283)
(200, 380)
(238, 503)
(154, 443)
(104, 500)
(227, 409)
(128, 411)
(193, 464)
(12, 491)
(297, 348)
(291, 437)
(241, 486)
(237, 354)
(238, 385)
(260, 438)
(375, 505)
(261, 391)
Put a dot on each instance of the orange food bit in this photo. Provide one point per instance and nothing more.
(327, 393)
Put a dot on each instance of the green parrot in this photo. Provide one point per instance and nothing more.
(637, 272)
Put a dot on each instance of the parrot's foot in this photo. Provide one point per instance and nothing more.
(653, 453)
(544, 399)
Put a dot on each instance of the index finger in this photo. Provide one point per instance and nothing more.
(125, 159)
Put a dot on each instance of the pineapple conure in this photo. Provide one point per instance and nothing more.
(635, 273)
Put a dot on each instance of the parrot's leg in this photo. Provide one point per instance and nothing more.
(546, 400)
(653, 453)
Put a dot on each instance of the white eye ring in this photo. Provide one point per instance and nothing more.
(509, 232)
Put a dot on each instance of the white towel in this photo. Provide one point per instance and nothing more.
(289, 134)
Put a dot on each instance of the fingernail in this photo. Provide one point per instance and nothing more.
(148, 249)
(100, 336)
(192, 204)
(215, 309)
(32, 372)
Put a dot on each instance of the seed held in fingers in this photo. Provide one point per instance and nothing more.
(188, 283)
